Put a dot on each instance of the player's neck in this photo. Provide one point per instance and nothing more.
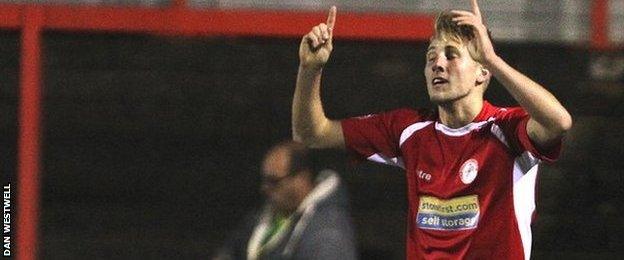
(460, 112)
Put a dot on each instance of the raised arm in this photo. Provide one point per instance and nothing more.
(549, 119)
(309, 123)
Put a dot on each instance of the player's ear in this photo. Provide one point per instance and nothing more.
(483, 75)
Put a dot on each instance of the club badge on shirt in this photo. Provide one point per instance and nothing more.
(468, 171)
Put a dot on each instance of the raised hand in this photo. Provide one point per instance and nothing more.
(316, 46)
(482, 38)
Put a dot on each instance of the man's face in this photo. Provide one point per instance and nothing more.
(278, 185)
(451, 73)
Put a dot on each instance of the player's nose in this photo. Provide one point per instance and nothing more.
(439, 65)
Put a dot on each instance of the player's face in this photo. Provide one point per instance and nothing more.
(278, 185)
(451, 73)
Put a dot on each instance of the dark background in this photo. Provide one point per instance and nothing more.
(151, 145)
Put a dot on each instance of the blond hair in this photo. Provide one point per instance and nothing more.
(447, 30)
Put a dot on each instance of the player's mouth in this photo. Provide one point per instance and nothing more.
(438, 81)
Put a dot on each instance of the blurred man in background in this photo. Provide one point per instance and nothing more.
(471, 167)
(305, 216)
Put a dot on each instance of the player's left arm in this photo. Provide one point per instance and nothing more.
(549, 119)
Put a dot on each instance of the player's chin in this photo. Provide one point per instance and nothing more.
(437, 99)
(436, 93)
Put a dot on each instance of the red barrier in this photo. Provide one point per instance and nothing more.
(217, 22)
(29, 134)
(600, 25)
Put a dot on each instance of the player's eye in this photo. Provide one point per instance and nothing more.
(431, 57)
(451, 53)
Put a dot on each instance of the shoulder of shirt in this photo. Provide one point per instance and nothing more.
(412, 114)
(504, 112)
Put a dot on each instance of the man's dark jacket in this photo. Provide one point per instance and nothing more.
(321, 229)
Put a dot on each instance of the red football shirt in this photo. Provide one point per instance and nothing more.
(471, 190)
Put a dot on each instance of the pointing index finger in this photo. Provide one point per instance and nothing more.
(475, 8)
(331, 18)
